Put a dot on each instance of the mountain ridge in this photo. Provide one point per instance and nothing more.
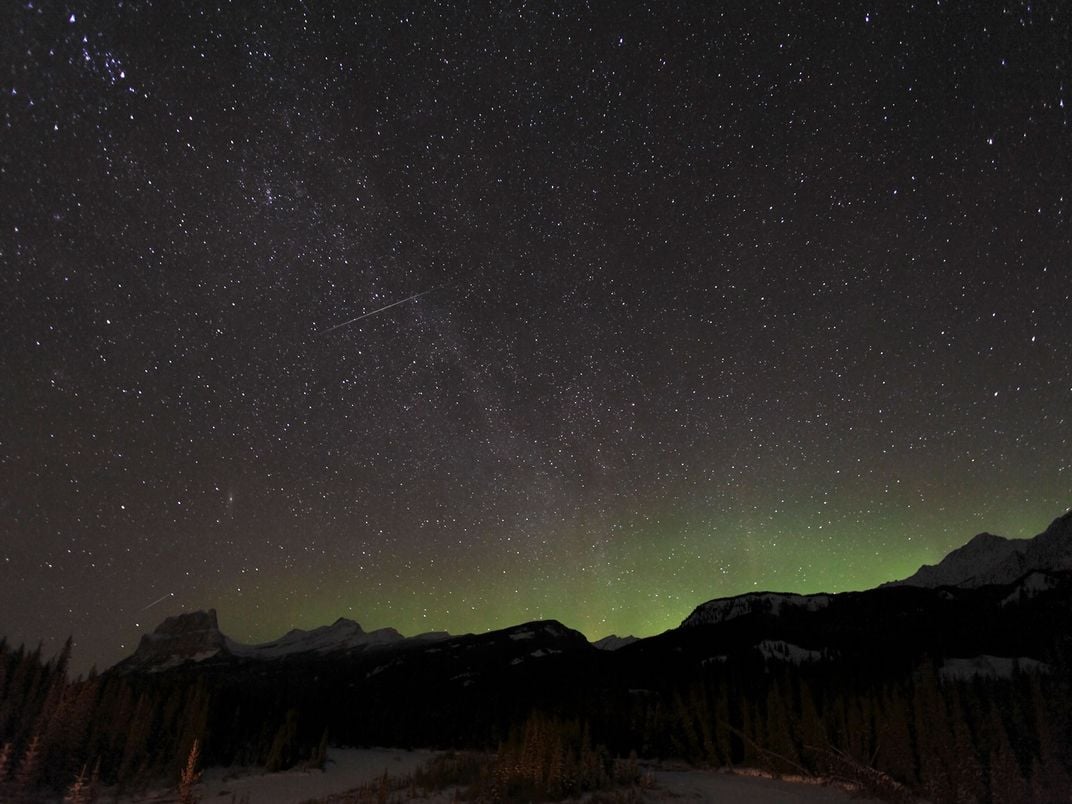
(195, 636)
(1025, 565)
(987, 559)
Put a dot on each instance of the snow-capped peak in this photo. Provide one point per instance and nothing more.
(989, 559)
(343, 634)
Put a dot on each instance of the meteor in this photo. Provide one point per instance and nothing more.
(160, 600)
(380, 310)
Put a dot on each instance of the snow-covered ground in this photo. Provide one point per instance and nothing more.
(350, 768)
(990, 667)
(346, 769)
(701, 785)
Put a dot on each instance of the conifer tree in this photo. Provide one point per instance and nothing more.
(3, 688)
(280, 754)
(934, 737)
(687, 742)
(190, 775)
(17, 697)
(857, 737)
(1050, 780)
(896, 751)
(1005, 779)
(29, 767)
(63, 661)
(722, 729)
(136, 746)
(810, 728)
(191, 721)
(778, 740)
(966, 768)
(80, 717)
(95, 779)
(78, 792)
(53, 723)
(556, 771)
(752, 731)
(320, 756)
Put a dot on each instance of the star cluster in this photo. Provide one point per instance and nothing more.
(713, 299)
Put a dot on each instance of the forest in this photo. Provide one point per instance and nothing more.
(898, 735)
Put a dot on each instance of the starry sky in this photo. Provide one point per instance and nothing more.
(714, 297)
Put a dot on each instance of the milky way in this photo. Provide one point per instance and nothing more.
(726, 300)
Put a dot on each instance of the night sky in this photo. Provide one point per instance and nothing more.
(714, 300)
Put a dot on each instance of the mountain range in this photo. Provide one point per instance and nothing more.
(1016, 568)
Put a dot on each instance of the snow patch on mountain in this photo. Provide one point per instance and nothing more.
(781, 651)
(770, 603)
(544, 629)
(536, 654)
(985, 666)
(343, 634)
(175, 661)
(614, 642)
(1031, 585)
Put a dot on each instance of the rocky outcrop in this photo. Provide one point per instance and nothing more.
(194, 636)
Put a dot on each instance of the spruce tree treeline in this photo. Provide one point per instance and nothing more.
(981, 739)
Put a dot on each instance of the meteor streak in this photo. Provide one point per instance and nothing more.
(160, 600)
(380, 310)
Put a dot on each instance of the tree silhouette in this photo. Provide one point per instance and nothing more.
(190, 775)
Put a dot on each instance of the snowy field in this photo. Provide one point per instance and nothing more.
(701, 785)
(345, 770)
(350, 768)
